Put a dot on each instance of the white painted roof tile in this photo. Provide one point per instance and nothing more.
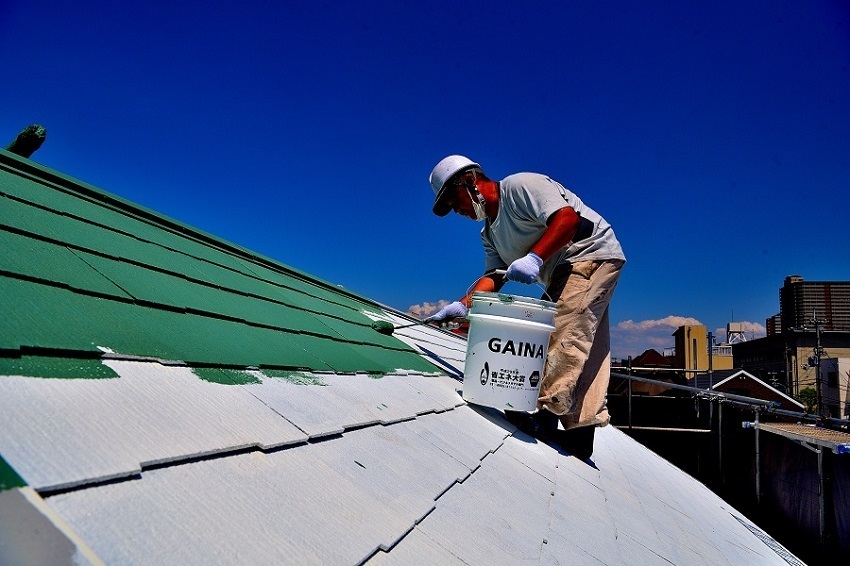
(64, 432)
(401, 471)
(348, 401)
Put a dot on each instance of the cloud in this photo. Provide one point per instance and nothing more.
(426, 309)
(668, 322)
(751, 330)
(630, 338)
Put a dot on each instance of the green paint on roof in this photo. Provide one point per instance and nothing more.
(225, 376)
(295, 377)
(55, 368)
(88, 270)
(9, 478)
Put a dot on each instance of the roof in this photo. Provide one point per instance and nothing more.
(169, 397)
(723, 380)
(651, 357)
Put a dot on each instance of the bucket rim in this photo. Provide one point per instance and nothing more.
(529, 324)
(508, 299)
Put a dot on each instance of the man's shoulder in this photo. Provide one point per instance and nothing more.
(525, 177)
(533, 183)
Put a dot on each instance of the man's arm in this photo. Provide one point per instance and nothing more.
(561, 228)
(489, 282)
(560, 231)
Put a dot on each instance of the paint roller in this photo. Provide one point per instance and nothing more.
(387, 328)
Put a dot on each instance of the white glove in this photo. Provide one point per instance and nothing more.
(451, 310)
(525, 269)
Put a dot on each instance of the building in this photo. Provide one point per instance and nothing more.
(802, 302)
(773, 324)
(691, 350)
(741, 382)
(813, 327)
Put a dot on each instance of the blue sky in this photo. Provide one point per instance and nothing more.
(713, 136)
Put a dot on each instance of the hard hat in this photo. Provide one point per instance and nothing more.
(442, 172)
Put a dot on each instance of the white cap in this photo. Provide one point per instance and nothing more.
(443, 171)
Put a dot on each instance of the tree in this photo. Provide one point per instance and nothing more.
(808, 396)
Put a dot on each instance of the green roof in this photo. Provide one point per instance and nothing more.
(85, 272)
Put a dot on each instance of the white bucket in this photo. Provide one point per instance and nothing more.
(506, 350)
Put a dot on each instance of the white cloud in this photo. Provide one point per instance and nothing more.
(665, 323)
(630, 338)
(751, 330)
(426, 309)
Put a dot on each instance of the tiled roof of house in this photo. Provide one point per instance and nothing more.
(170, 398)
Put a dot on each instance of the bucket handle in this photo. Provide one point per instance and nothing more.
(504, 272)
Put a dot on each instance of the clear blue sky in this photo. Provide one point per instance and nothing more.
(713, 136)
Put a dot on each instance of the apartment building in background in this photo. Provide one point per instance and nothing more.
(807, 343)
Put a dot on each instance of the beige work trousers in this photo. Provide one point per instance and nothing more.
(578, 363)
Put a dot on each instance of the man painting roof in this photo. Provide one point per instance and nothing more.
(539, 231)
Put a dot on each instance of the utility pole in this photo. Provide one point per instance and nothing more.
(710, 360)
(814, 361)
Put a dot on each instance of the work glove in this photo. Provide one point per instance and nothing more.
(452, 310)
(525, 269)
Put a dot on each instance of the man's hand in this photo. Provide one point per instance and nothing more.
(452, 310)
(525, 269)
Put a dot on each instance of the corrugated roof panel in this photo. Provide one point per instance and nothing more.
(417, 548)
(481, 528)
(56, 226)
(395, 467)
(42, 316)
(294, 280)
(30, 257)
(592, 530)
(155, 287)
(337, 403)
(263, 494)
(88, 430)
(350, 358)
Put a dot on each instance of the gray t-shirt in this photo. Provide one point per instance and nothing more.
(526, 201)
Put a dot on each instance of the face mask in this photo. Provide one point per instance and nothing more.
(477, 205)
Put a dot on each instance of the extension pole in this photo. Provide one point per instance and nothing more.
(758, 463)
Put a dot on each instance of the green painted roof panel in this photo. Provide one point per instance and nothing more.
(89, 271)
(44, 316)
(31, 257)
(55, 368)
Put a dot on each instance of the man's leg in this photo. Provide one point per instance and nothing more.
(590, 405)
(582, 308)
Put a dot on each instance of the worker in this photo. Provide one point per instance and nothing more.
(539, 231)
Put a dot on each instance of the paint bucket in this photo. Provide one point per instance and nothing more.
(506, 350)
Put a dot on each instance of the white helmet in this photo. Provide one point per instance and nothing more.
(442, 172)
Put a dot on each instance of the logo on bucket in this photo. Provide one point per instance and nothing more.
(523, 349)
(534, 378)
(485, 373)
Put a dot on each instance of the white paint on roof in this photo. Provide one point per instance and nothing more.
(60, 433)
(342, 469)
